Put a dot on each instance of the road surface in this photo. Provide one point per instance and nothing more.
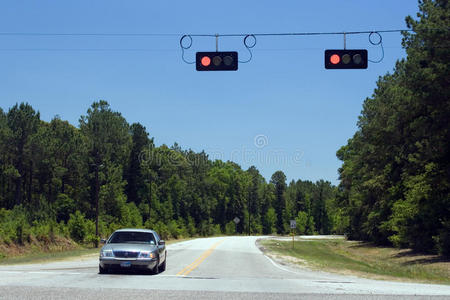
(207, 268)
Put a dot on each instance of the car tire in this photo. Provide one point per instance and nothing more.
(156, 268)
(102, 270)
(163, 265)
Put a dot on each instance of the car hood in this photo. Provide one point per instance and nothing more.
(129, 247)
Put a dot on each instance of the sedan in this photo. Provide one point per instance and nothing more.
(140, 249)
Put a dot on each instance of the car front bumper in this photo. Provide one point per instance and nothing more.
(112, 262)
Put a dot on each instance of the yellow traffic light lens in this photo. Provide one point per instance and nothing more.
(346, 58)
(217, 60)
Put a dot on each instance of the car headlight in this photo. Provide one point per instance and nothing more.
(106, 253)
(146, 254)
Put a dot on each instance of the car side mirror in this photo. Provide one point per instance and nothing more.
(161, 242)
(103, 241)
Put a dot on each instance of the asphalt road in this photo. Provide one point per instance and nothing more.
(209, 268)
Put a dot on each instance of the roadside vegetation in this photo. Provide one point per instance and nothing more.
(361, 259)
(39, 255)
(60, 249)
(395, 177)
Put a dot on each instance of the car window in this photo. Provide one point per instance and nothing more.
(157, 237)
(132, 237)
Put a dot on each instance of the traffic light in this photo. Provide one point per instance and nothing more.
(346, 59)
(216, 61)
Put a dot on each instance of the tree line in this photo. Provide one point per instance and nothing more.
(395, 185)
(86, 181)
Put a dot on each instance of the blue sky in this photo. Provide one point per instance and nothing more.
(298, 113)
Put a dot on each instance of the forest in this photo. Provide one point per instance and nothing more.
(85, 182)
(394, 181)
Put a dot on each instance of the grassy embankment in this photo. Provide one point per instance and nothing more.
(361, 259)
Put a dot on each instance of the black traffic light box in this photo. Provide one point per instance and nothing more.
(216, 61)
(346, 59)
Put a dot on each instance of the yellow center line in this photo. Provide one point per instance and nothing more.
(188, 269)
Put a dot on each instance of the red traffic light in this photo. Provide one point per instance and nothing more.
(346, 59)
(335, 59)
(216, 61)
(206, 61)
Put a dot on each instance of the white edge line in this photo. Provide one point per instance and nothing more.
(274, 263)
(278, 266)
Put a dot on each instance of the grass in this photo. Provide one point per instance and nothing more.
(362, 259)
(36, 257)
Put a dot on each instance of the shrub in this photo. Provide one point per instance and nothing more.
(443, 240)
(77, 226)
(230, 228)
(182, 228)
(92, 239)
(215, 229)
(162, 230)
(301, 220)
(64, 206)
(190, 226)
(270, 219)
(174, 231)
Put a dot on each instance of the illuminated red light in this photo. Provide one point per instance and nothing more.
(206, 61)
(335, 59)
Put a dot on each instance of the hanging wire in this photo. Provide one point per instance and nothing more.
(185, 47)
(188, 38)
(376, 43)
(87, 34)
(249, 47)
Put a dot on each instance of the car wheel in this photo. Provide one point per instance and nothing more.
(163, 265)
(156, 268)
(102, 270)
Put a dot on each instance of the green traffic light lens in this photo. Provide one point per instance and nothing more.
(228, 60)
(357, 59)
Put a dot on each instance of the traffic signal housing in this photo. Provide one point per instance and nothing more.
(346, 59)
(216, 61)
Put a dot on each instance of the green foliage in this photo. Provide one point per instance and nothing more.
(270, 219)
(310, 226)
(443, 239)
(301, 221)
(174, 230)
(92, 239)
(395, 175)
(190, 227)
(230, 228)
(279, 181)
(64, 207)
(15, 227)
(77, 226)
(162, 230)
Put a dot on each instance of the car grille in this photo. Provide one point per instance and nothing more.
(126, 254)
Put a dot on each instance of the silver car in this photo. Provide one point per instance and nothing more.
(133, 249)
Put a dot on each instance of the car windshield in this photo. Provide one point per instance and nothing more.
(132, 238)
